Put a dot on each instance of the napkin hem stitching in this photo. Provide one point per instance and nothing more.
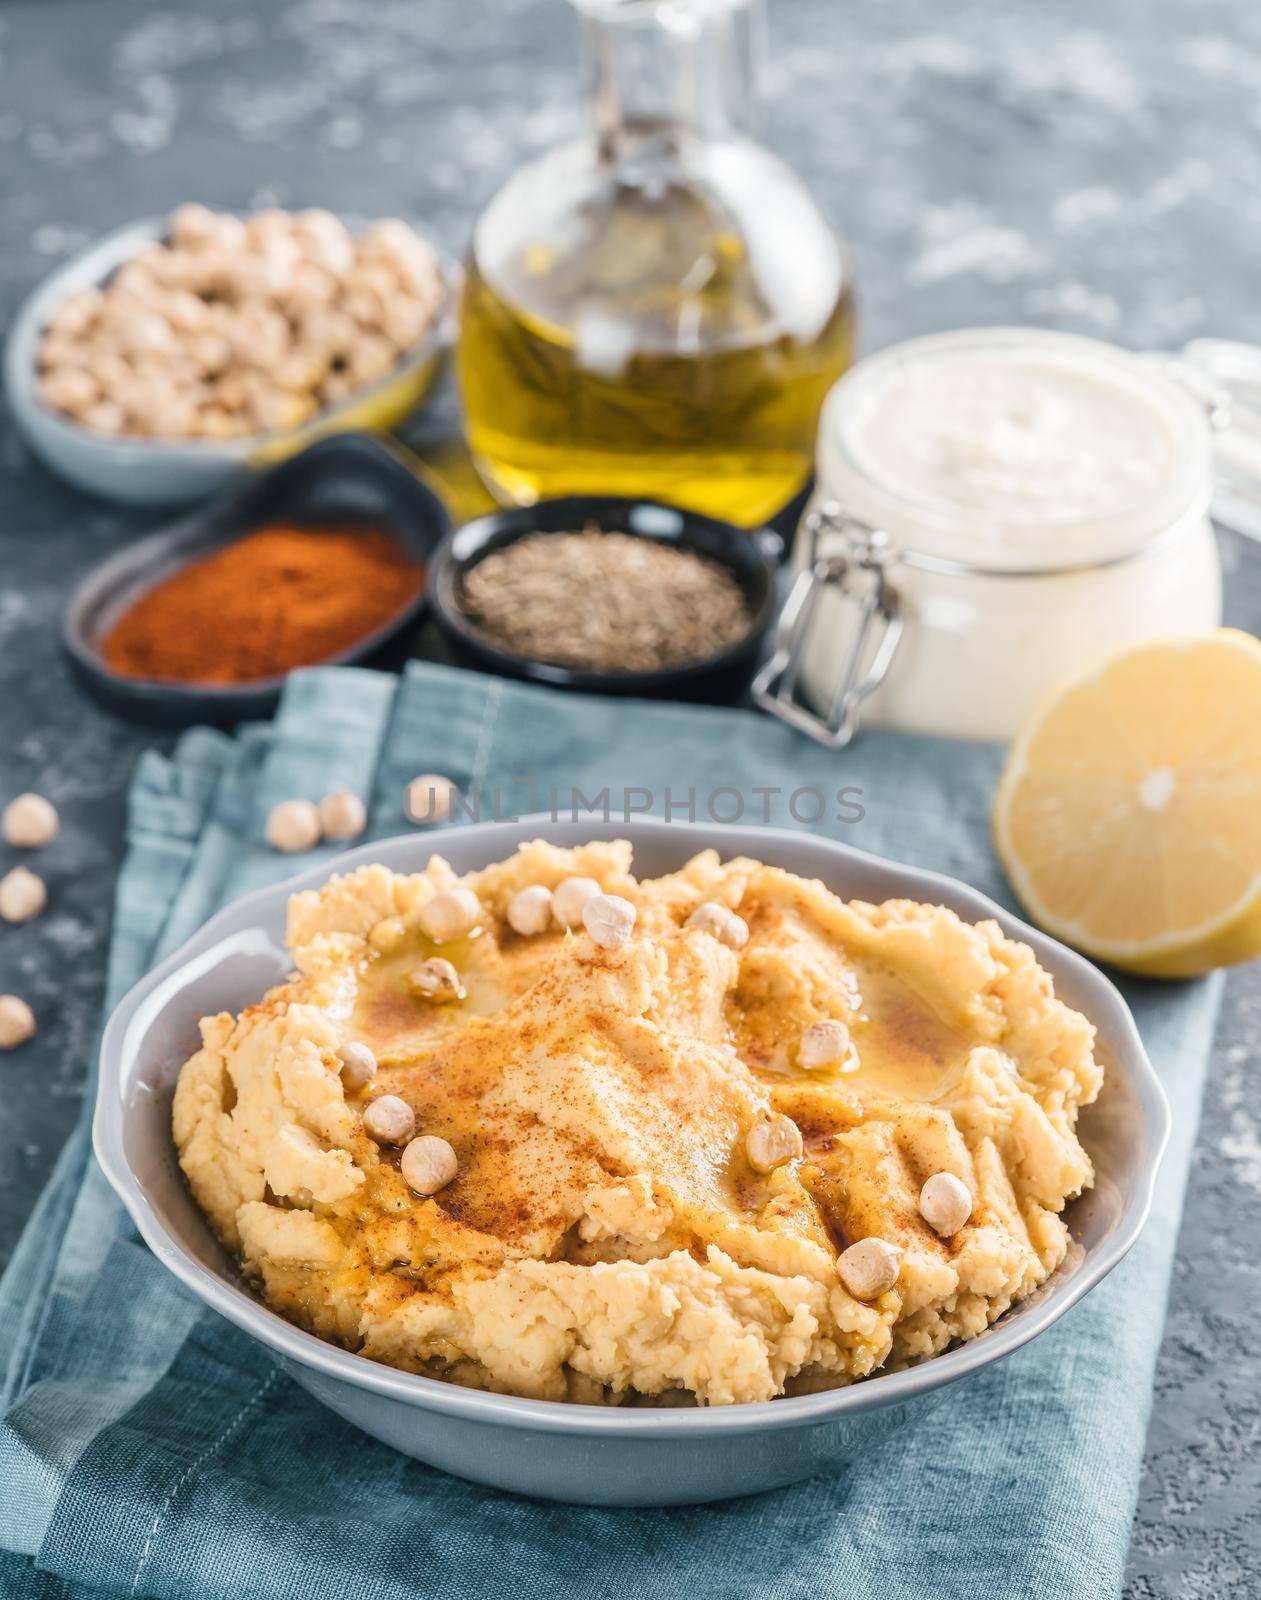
(194, 1466)
(486, 733)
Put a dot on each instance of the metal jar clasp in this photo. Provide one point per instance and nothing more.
(855, 570)
(1224, 375)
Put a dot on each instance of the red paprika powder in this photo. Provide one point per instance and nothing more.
(278, 598)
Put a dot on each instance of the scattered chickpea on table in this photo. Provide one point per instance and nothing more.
(29, 822)
(295, 826)
(429, 799)
(17, 1022)
(22, 895)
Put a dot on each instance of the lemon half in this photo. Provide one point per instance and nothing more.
(1128, 815)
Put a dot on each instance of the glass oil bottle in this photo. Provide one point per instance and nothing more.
(656, 309)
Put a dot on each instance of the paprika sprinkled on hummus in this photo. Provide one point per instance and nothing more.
(279, 598)
(585, 1159)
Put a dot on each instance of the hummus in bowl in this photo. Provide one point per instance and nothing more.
(763, 1142)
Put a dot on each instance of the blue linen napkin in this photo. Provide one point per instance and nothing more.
(149, 1448)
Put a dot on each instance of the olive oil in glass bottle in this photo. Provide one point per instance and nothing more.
(657, 308)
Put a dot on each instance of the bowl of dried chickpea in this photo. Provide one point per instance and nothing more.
(178, 352)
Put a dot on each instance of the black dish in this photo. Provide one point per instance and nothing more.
(751, 556)
(351, 477)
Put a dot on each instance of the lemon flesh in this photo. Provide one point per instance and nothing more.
(1128, 815)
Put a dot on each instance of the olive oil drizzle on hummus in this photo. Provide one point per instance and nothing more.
(605, 1234)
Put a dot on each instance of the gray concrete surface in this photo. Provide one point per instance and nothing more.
(1077, 165)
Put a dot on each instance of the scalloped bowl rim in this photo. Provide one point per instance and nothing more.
(1009, 1333)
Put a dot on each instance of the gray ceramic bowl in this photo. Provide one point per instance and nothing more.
(594, 1455)
(168, 471)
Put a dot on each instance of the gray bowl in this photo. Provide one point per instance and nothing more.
(588, 1454)
(171, 471)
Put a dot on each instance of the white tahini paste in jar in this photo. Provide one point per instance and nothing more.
(1045, 498)
(1021, 437)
